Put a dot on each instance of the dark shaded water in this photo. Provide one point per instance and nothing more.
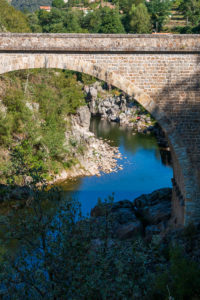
(144, 168)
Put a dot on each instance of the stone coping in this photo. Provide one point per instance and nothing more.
(97, 35)
(42, 42)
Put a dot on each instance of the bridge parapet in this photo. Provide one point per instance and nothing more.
(128, 43)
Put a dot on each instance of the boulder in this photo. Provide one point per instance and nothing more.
(155, 197)
(107, 104)
(154, 229)
(155, 207)
(159, 212)
(122, 204)
(93, 92)
(129, 230)
(93, 107)
(122, 117)
(100, 210)
(123, 216)
(84, 115)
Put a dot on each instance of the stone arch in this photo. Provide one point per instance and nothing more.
(15, 62)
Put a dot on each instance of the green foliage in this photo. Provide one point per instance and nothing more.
(139, 19)
(72, 22)
(59, 20)
(128, 16)
(30, 5)
(104, 20)
(11, 19)
(159, 11)
(191, 10)
(50, 251)
(57, 257)
(34, 22)
(37, 104)
(58, 3)
(86, 79)
(181, 280)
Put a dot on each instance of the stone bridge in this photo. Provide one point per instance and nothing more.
(162, 72)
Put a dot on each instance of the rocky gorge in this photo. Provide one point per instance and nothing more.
(97, 155)
(115, 106)
(80, 153)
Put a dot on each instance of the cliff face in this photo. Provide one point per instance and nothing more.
(93, 156)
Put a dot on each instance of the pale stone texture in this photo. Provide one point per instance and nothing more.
(162, 72)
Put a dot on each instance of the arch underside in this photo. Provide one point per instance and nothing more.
(13, 62)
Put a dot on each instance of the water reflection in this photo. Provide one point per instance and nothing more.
(145, 168)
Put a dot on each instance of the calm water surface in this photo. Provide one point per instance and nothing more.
(145, 168)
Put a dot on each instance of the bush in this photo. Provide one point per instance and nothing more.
(37, 105)
(181, 279)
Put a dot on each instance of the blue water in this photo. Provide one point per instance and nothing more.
(144, 168)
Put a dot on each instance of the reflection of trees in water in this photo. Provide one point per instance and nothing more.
(70, 184)
(132, 143)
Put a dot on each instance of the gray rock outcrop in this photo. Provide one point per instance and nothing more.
(147, 215)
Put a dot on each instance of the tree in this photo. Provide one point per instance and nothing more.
(11, 19)
(72, 22)
(43, 17)
(103, 20)
(125, 5)
(110, 21)
(191, 10)
(139, 19)
(51, 21)
(34, 22)
(58, 3)
(159, 11)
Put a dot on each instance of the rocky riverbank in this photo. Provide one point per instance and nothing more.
(54, 134)
(145, 216)
(120, 108)
(94, 156)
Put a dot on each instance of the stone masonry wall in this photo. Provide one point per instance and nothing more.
(161, 72)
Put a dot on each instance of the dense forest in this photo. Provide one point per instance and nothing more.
(30, 5)
(124, 16)
(11, 19)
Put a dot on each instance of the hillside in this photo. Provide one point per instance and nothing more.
(177, 19)
(33, 109)
(11, 19)
(30, 5)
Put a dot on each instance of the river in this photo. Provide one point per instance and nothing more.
(145, 168)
